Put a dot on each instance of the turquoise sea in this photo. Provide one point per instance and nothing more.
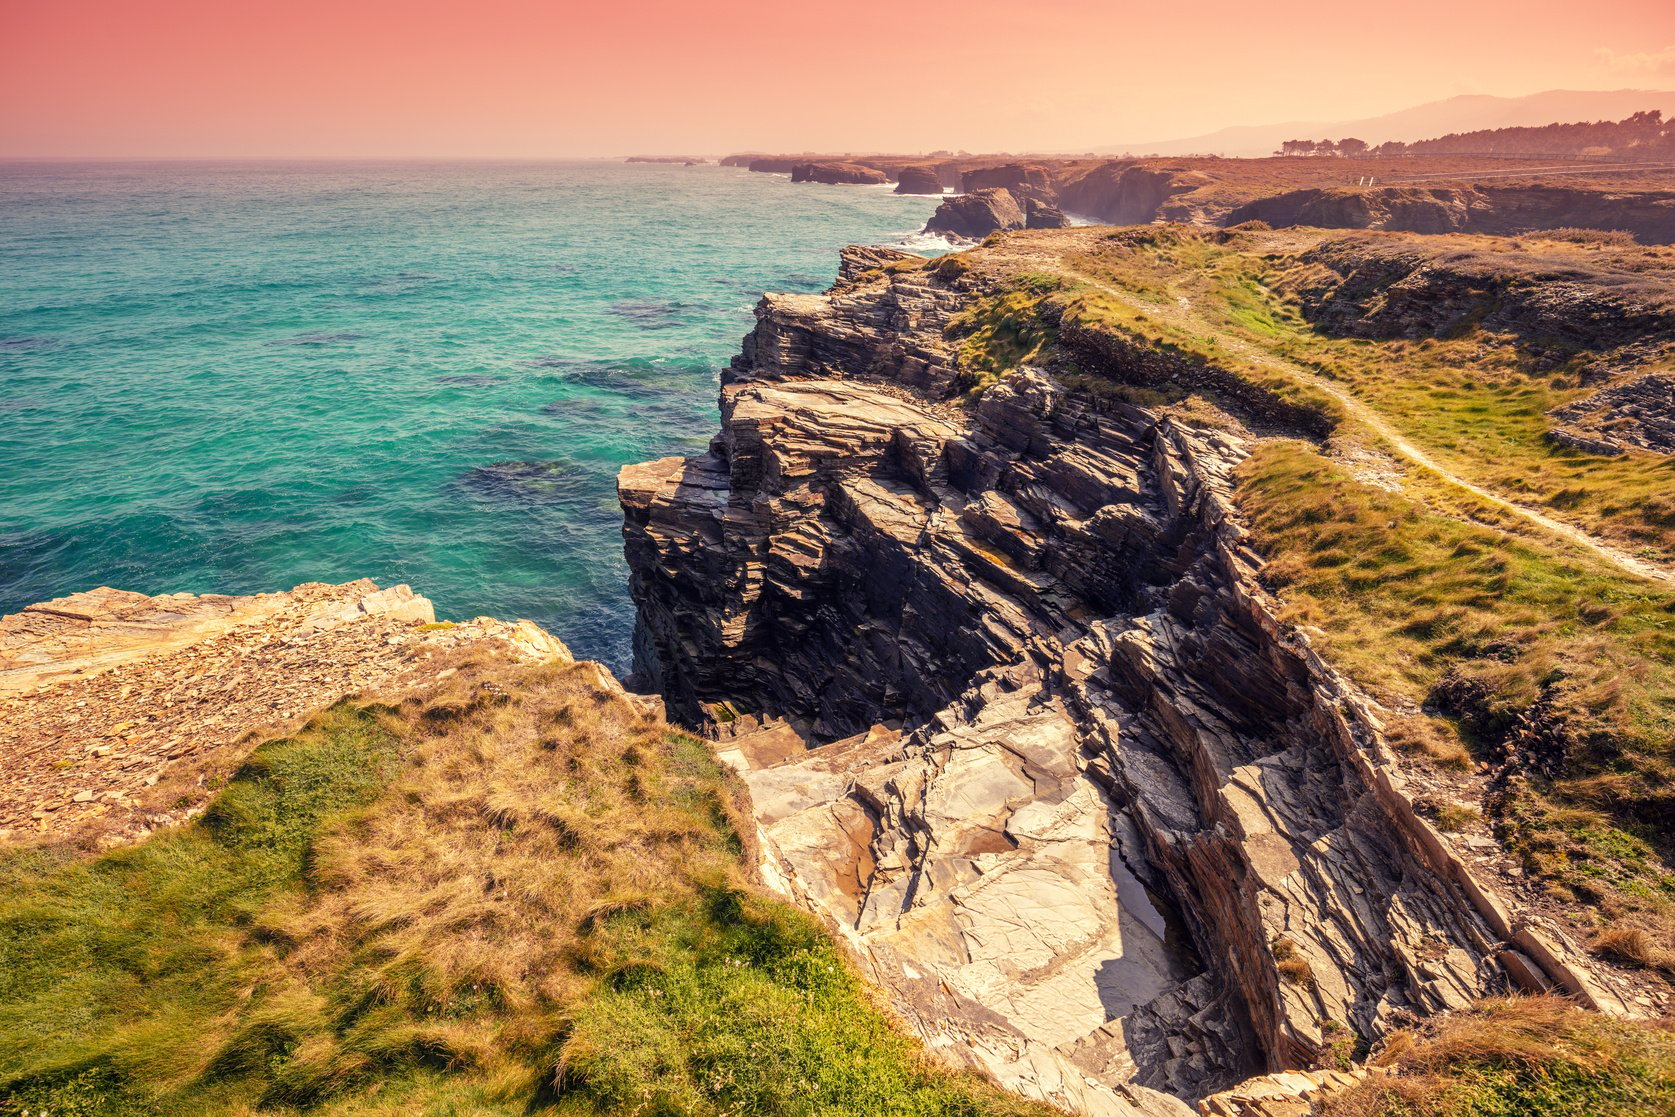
(237, 377)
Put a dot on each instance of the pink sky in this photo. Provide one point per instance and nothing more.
(522, 78)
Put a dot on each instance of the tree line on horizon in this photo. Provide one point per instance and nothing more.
(1643, 135)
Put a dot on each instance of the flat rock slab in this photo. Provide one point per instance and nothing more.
(978, 878)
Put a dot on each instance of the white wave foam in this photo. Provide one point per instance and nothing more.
(928, 244)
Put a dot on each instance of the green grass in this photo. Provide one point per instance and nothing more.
(109, 968)
(1520, 1057)
(1001, 331)
(517, 895)
(1155, 285)
(1420, 606)
(754, 1011)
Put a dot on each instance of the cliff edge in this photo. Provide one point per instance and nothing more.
(965, 589)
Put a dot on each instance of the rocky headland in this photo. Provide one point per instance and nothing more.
(838, 174)
(987, 633)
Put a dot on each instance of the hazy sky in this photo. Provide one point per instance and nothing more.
(522, 77)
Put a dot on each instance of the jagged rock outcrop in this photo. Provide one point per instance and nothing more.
(976, 215)
(858, 260)
(918, 180)
(1122, 193)
(1391, 287)
(107, 696)
(1637, 413)
(1040, 215)
(838, 174)
(1035, 629)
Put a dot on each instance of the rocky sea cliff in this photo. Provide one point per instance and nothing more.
(1025, 699)
(1021, 721)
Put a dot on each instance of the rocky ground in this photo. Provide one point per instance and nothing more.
(121, 709)
(1636, 412)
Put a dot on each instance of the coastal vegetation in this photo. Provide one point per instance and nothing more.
(1518, 1057)
(517, 893)
(1003, 330)
(1515, 647)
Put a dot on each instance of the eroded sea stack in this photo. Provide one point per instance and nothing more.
(1098, 821)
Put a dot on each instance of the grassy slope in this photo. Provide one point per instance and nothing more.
(519, 895)
(1423, 606)
(1472, 401)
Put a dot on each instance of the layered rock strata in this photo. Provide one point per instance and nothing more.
(1480, 208)
(1097, 820)
(1636, 413)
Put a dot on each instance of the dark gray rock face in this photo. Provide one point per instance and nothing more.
(1062, 581)
(974, 216)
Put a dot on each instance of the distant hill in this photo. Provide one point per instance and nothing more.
(1645, 135)
(1467, 113)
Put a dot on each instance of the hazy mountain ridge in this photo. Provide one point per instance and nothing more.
(1465, 113)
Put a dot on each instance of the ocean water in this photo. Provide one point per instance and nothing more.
(238, 377)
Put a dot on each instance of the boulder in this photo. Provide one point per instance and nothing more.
(975, 216)
(838, 173)
(1040, 215)
(919, 180)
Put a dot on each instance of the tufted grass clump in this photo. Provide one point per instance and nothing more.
(514, 894)
(1519, 1057)
(999, 332)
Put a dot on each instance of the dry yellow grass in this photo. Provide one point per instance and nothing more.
(1519, 1057)
(515, 893)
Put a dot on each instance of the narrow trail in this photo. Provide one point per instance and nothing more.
(1369, 417)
